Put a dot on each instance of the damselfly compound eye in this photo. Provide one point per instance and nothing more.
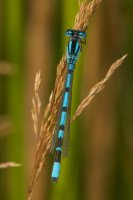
(82, 34)
(69, 32)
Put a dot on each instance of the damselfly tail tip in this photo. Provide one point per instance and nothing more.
(54, 180)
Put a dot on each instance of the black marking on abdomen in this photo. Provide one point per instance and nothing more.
(59, 142)
(62, 127)
(67, 89)
(70, 71)
(64, 109)
(57, 156)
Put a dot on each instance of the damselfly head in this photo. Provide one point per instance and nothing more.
(75, 33)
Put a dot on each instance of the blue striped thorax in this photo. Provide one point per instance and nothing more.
(74, 44)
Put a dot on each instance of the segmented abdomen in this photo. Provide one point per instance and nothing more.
(62, 122)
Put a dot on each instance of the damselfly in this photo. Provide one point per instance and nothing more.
(61, 135)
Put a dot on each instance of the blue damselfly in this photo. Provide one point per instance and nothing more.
(61, 135)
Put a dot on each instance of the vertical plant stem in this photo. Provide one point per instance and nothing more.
(38, 56)
(14, 54)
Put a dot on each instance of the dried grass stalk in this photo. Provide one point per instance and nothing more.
(45, 132)
(9, 164)
(87, 9)
(98, 87)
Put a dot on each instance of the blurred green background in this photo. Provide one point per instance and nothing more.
(100, 162)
